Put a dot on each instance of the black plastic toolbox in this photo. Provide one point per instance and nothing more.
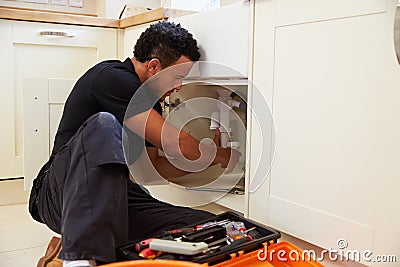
(263, 234)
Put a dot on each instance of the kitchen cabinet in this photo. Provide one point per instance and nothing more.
(333, 86)
(42, 50)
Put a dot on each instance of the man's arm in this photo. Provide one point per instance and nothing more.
(178, 144)
(163, 165)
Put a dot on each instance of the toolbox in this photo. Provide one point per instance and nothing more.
(224, 240)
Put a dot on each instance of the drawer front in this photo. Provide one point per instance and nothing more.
(60, 34)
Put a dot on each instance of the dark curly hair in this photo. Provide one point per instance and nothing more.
(167, 42)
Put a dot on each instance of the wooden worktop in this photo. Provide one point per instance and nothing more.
(52, 17)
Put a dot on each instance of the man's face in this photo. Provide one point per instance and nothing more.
(173, 75)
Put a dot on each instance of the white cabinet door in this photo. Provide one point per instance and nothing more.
(38, 54)
(335, 104)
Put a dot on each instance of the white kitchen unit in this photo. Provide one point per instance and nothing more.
(42, 50)
(329, 71)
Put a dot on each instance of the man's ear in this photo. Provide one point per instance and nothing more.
(154, 66)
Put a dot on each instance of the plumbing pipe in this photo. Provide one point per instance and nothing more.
(225, 106)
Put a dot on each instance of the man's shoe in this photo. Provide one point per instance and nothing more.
(50, 259)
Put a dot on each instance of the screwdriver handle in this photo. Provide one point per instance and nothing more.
(177, 232)
(148, 253)
(140, 246)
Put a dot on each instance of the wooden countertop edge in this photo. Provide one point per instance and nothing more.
(51, 17)
(42, 16)
(149, 16)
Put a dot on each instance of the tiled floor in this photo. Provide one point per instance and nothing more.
(22, 240)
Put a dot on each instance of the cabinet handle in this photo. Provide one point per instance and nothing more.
(56, 33)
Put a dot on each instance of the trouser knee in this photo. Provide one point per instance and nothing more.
(101, 140)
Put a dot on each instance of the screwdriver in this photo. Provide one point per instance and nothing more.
(140, 246)
(189, 230)
(211, 224)
(177, 232)
(149, 254)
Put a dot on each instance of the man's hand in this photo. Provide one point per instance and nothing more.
(227, 157)
(217, 137)
(234, 159)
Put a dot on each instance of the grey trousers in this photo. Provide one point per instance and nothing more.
(85, 195)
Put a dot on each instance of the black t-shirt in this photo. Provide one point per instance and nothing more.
(106, 87)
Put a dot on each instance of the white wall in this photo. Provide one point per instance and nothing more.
(89, 6)
(113, 8)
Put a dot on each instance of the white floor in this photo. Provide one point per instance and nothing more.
(22, 240)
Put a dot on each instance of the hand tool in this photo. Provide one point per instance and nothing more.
(140, 246)
(179, 232)
(149, 254)
(244, 234)
(183, 248)
(211, 224)
(189, 230)
(215, 232)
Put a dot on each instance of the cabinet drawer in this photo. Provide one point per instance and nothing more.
(59, 34)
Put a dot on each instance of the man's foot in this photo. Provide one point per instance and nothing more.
(50, 259)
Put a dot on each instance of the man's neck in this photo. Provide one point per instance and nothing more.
(140, 69)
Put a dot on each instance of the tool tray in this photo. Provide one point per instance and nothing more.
(264, 235)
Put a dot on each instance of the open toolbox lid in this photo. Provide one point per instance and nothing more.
(263, 234)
